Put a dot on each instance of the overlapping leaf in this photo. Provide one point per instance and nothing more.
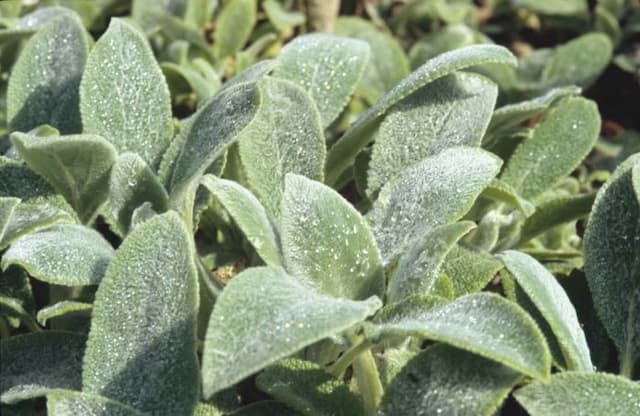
(72, 403)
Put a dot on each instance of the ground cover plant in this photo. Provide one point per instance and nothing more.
(319, 208)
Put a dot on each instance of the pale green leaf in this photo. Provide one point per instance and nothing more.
(76, 166)
(326, 241)
(65, 254)
(419, 267)
(565, 8)
(388, 64)
(124, 96)
(447, 381)
(73, 403)
(249, 215)
(436, 191)
(573, 393)
(281, 18)
(285, 137)
(611, 256)
(555, 212)
(343, 153)
(63, 308)
(44, 83)
(309, 389)
(132, 183)
(214, 127)
(142, 344)
(31, 22)
(233, 27)
(328, 67)
(501, 192)
(7, 206)
(470, 271)
(35, 364)
(451, 111)
(550, 299)
(483, 323)
(556, 147)
(284, 317)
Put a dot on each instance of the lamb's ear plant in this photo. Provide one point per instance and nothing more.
(261, 257)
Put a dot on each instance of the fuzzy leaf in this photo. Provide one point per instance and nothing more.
(419, 267)
(556, 147)
(16, 298)
(285, 137)
(62, 308)
(233, 27)
(124, 96)
(142, 344)
(284, 317)
(483, 323)
(343, 153)
(574, 393)
(328, 67)
(76, 166)
(325, 240)
(447, 381)
(550, 299)
(309, 389)
(72, 403)
(265, 407)
(214, 127)
(501, 192)
(249, 215)
(133, 183)
(65, 254)
(436, 191)
(388, 64)
(611, 255)
(44, 83)
(7, 206)
(35, 364)
(451, 111)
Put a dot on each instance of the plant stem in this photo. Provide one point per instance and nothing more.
(368, 378)
(321, 14)
(627, 356)
(627, 361)
(340, 366)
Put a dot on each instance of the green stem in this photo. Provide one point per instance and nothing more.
(368, 378)
(5, 331)
(627, 357)
(627, 361)
(340, 366)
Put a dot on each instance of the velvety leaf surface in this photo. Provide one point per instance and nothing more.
(266, 407)
(124, 96)
(131, 184)
(285, 137)
(438, 190)
(215, 126)
(419, 267)
(553, 303)
(35, 364)
(447, 381)
(249, 215)
(7, 206)
(65, 254)
(612, 252)
(44, 83)
(343, 153)
(574, 393)
(142, 344)
(327, 242)
(16, 298)
(388, 64)
(62, 308)
(501, 192)
(483, 323)
(451, 111)
(73, 403)
(76, 166)
(284, 317)
(309, 389)
(234, 26)
(556, 146)
(328, 67)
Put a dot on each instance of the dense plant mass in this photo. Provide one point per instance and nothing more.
(320, 208)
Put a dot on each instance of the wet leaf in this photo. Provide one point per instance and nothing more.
(285, 316)
(142, 344)
(326, 241)
(470, 271)
(72, 403)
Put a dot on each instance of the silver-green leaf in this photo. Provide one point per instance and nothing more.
(44, 83)
(124, 96)
(328, 67)
(73, 403)
(483, 323)
(285, 316)
(142, 344)
(328, 242)
(550, 299)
